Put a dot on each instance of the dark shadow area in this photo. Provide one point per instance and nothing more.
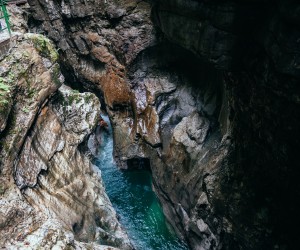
(77, 227)
(138, 164)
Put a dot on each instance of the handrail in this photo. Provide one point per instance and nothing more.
(4, 15)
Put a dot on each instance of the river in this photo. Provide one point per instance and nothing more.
(137, 205)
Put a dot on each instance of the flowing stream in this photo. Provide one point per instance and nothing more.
(131, 195)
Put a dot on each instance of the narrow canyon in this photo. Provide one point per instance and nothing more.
(201, 106)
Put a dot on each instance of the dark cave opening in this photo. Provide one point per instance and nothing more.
(138, 163)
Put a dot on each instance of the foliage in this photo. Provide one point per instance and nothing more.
(26, 110)
(44, 46)
(4, 90)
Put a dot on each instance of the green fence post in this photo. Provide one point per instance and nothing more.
(5, 16)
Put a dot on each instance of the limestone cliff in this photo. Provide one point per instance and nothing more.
(210, 97)
(256, 44)
(50, 194)
(151, 94)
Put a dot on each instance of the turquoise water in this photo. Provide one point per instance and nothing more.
(135, 202)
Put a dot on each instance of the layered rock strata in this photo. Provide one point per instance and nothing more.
(50, 194)
(216, 115)
(257, 48)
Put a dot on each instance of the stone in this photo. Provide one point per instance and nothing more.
(50, 194)
(208, 93)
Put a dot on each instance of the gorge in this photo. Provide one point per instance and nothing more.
(204, 94)
(131, 195)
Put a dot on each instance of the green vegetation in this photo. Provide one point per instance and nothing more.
(20, 65)
(88, 98)
(55, 74)
(2, 189)
(66, 100)
(3, 88)
(23, 80)
(44, 46)
(74, 96)
(75, 91)
(26, 110)
(6, 86)
(4, 92)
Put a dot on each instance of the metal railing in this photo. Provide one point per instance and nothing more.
(4, 17)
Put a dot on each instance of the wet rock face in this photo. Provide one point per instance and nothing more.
(30, 78)
(96, 49)
(228, 34)
(63, 115)
(191, 150)
(258, 43)
(67, 187)
(50, 194)
(221, 144)
(97, 38)
(30, 74)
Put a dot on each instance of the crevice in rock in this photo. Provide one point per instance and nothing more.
(77, 227)
(115, 21)
(26, 136)
(252, 100)
(138, 163)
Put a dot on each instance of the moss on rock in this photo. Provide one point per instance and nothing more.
(44, 46)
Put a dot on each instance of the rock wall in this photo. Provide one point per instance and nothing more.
(151, 101)
(50, 194)
(191, 148)
(255, 44)
(216, 114)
